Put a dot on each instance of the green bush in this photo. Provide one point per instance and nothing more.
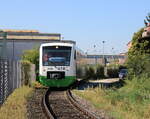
(79, 72)
(86, 76)
(26, 68)
(138, 65)
(131, 101)
(139, 55)
(112, 72)
(100, 72)
(89, 73)
(122, 66)
(92, 72)
(32, 56)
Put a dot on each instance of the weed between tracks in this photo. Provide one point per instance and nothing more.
(129, 102)
(15, 105)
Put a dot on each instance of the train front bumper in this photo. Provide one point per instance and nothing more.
(64, 82)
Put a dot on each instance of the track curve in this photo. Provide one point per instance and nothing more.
(62, 105)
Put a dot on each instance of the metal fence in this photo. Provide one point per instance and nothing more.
(10, 77)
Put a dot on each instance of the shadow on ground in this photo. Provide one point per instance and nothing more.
(82, 85)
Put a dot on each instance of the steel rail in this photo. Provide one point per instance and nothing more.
(46, 107)
(79, 107)
(50, 113)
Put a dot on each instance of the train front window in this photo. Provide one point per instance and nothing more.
(56, 55)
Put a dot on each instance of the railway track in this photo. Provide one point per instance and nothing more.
(62, 105)
(34, 109)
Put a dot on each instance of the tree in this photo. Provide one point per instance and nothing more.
(135, 48)
(138, 55)
(32, 56)
(138, 65)
(140, 46)
(138, 62)
(100, 72)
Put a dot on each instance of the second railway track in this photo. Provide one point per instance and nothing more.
(61, 105)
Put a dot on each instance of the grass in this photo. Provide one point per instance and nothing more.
(36, 84)
(15, 105)
(129, 102)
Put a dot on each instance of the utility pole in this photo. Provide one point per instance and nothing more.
(113, 59)
(104, 61)
(103, 54)
(95, 54)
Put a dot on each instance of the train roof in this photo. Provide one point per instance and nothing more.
(59, 43)
(64, 41)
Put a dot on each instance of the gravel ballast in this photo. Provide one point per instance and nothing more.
(87, 104)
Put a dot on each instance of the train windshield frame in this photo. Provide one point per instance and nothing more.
(56, 55)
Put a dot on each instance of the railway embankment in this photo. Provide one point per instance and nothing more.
(24, 103)
(34, 105)
(88, 105)
(129, 101)
(15, 107)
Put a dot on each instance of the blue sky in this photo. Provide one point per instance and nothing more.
(88, 22)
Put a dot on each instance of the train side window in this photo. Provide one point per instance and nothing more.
(75, 54)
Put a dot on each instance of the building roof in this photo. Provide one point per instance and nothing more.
(106, 56)
(28, 34)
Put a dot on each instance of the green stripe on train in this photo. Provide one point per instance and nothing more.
(68, 80)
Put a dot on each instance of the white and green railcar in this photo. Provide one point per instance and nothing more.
(57, 64)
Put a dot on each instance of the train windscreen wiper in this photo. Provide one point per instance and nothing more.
(53, 63)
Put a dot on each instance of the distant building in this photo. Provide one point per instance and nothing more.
(98, 59)
(122, 60)
(129, 44)
(29, 35)
(19, 40)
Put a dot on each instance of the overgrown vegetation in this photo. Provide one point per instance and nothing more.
(135, 50)
(138, 66)
(90, 72)
(94, 72)
(129, 102)
(32, 56)
(112, 70)
(15, 105)
(100, 72)
(132, 101)
(80, 72)
(139, 56)
(26, 76)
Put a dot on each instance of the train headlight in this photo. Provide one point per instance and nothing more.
(67, 68)
(63, 68)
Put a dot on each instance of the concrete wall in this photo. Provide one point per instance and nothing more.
(100, 60)
(16, 48)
